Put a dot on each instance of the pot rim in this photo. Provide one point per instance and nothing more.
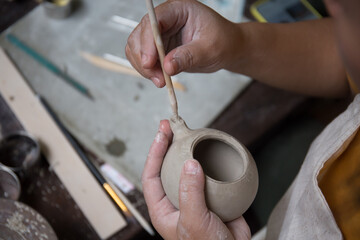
(234, 144)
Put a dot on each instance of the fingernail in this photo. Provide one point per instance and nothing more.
(175, 65)
(161, 126)
(144, 59)
(191, 167)
(156, 81)
(171, 67)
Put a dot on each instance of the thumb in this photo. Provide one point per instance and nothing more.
(183, 58)
(191, 191)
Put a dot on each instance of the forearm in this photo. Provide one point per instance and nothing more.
(300, 57)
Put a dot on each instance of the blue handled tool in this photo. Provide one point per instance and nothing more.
(47, 64)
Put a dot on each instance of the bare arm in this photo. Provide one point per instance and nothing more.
(300, 57)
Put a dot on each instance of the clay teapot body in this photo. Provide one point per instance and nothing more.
(231, 175)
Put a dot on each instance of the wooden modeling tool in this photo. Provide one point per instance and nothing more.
(117, 196)
(124, 21)
(48, 65)
(160, 47)
(109, 65)
(120, 65)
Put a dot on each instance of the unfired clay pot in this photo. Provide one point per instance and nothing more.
(231, 175)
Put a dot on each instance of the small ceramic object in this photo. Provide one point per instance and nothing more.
(20, 152)
(231, 178)
(9, 184)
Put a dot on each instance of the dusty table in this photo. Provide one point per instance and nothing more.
(43, 191)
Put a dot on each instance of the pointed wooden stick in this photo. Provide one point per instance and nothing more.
(160, 47)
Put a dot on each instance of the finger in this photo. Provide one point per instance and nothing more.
(239, 229)
(185, 57)
(165, 128)
(172, 16)
(191, 192)
(131, 56)
(149, 55)
(132, 51)
(171, 19)
(133, 45)
(152, 187)
(155, 75)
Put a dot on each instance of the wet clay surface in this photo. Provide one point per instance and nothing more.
(219, 160)
(232, 180)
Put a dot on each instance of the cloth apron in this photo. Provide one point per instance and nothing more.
(303, 213)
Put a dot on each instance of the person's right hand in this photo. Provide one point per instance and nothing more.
(196, 39)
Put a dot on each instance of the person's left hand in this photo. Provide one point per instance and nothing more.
(193, 220)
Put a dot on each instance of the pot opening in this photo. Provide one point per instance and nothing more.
(219, 160)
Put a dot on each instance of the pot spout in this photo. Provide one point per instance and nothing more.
(179, 127)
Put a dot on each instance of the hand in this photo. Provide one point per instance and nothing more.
(195, 37)
(193, 220)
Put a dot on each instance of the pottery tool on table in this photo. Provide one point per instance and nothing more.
(89, 196)
(120, 65)
(86, 160)
(231, 173)
(48, 65)
(117, 196)
(109, 65)
(121, 61)
(124, 21)
(137, 215)
(120, 185)
(118, 60)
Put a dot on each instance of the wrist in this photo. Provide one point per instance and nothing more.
(235, 47)
(238, 51)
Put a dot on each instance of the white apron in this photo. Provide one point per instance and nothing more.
(303, 213)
